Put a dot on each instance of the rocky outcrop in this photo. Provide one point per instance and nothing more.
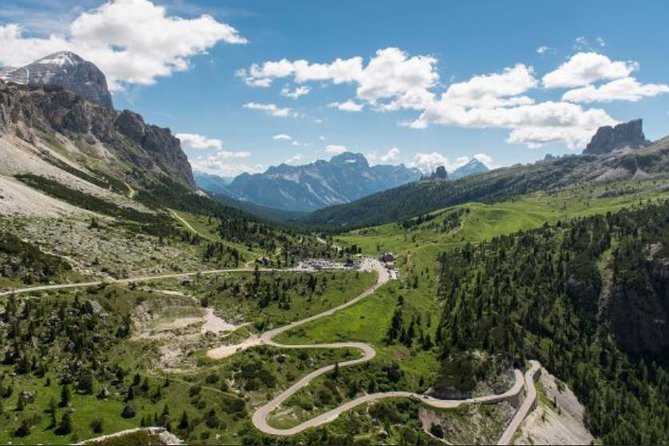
(67, 70)
(163, 148)
(34, 111)
(638, 310)
(609, 139)
(439, 174)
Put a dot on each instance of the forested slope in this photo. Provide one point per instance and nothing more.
(588, 298)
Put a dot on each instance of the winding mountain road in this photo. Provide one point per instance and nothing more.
(266, 338)
(261, 415)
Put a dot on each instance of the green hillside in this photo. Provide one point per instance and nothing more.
(494, 186)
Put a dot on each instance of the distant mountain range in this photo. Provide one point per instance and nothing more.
(214, 184)
(345, 178)
(615, 153)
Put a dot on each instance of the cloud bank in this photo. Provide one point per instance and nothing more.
(393, 80)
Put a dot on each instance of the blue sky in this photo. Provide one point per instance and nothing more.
(435, 82)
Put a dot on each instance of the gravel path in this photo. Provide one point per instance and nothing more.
(130, 280)
(63, 286)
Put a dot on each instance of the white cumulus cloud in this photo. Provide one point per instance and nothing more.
(335, 149)
(132, 41)
(339, 71)
(282, 137)
(296, 92)
(224, 163)
(391, 155)
(270, 109)
(428, 162)
(349, 106)
(531, 124)
(388, 157)
(586, 68)
(625, 89)
(295, 159)
(195, 141)
(493, 90)
(392, 79)
(485, 159)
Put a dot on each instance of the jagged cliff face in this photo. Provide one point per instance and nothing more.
(163, 148)
(638, 309)
(67, 70)
(609, 139)
(32, 112)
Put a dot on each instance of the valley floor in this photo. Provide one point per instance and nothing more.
(522, 384)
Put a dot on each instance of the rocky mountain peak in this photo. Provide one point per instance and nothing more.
(609, 139)
(61, 58)
(472, 167)
(152, 151)
(67, 70)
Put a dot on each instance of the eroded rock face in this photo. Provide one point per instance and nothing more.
(609, 139)
(159, 143)
(153, 150)
(67, 70)
(638, 310)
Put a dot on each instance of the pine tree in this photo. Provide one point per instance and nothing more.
(19, 404)
(52, 409)
(65, 426)
(183, 422)
(97, 426)
(65, 395)
(335, 371)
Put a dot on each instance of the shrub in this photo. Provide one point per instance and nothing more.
(128, 411)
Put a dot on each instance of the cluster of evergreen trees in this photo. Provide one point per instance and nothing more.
(38, 333)
(451, 220)
(408, 332)
(56, 336)
(265, 289)
(25, 262)
(222, 255)
(537, 294)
